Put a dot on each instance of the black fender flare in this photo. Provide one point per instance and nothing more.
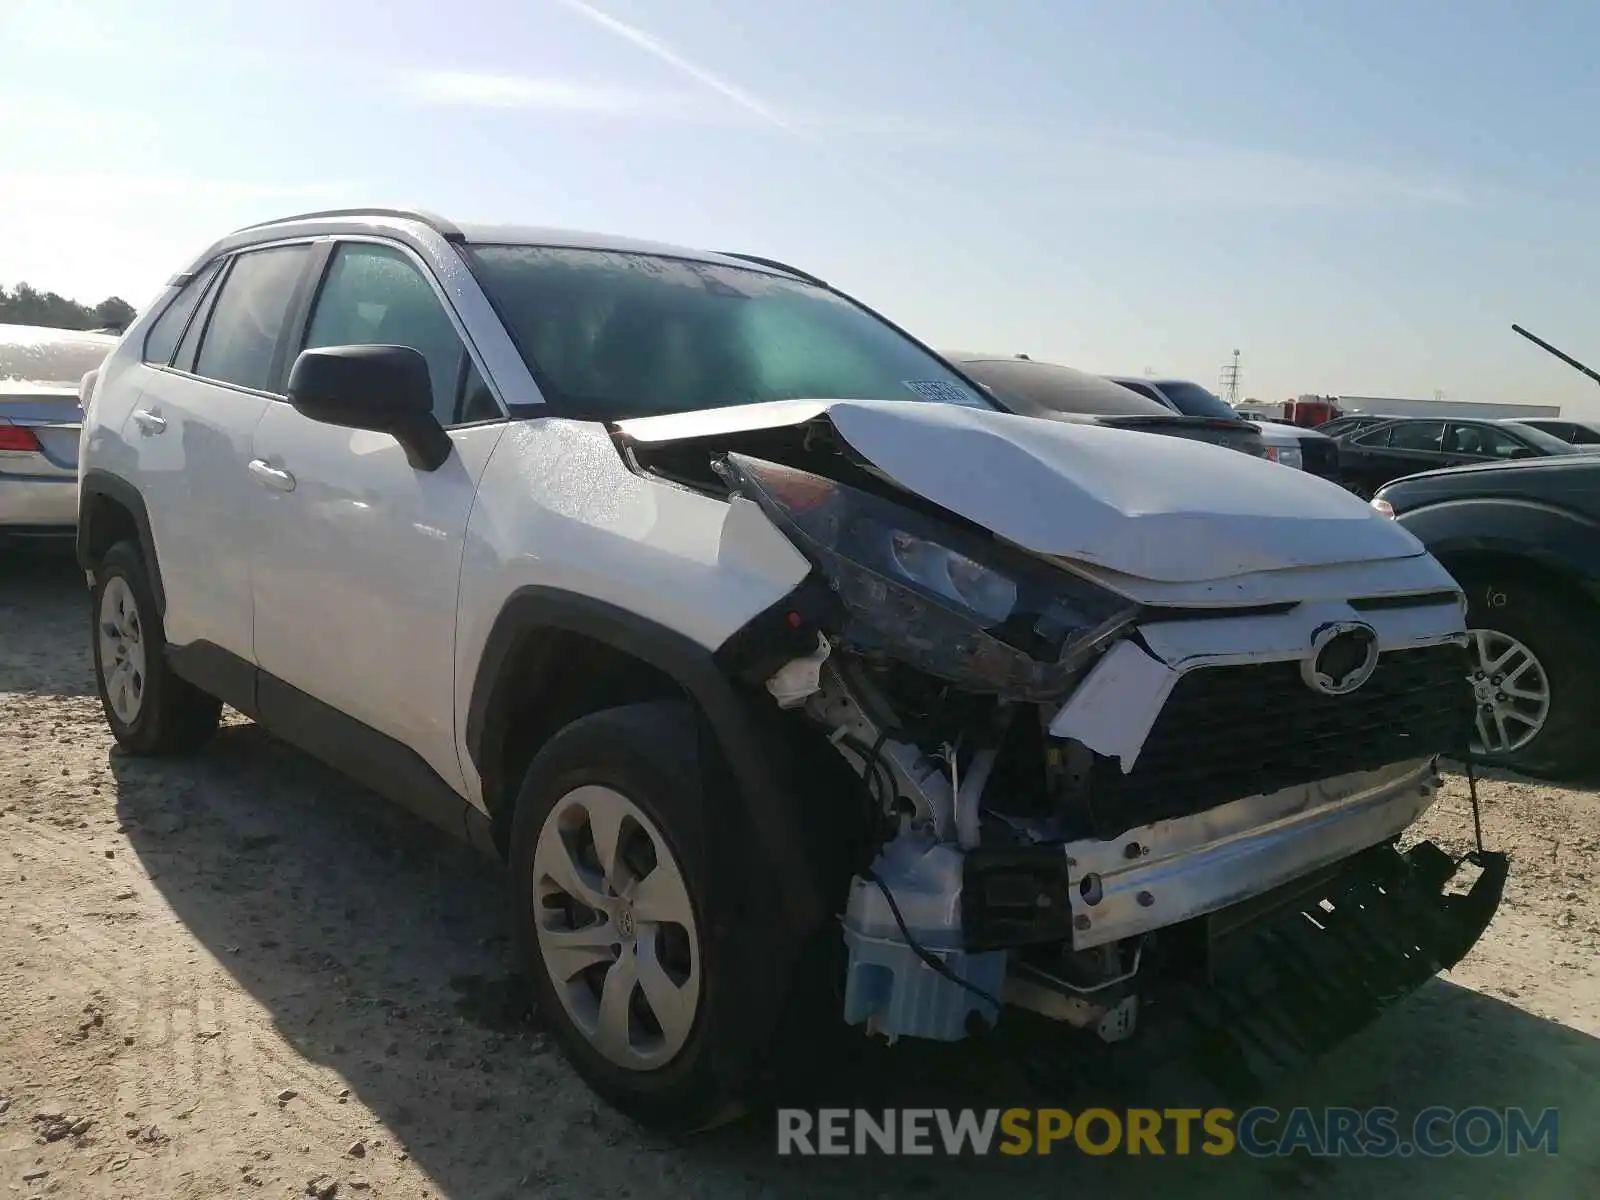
(95, 482)
(1549, 536)
(736, 722)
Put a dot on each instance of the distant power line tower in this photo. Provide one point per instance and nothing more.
(1230, 380)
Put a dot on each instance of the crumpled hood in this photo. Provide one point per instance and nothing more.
(1162, 509)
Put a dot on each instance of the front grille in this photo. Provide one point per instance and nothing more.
(1230, 732)
(1320, 456)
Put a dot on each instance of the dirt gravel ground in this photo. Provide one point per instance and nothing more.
(240, 975)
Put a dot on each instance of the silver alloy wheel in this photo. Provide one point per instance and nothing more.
(616, 927)
(1511, 691)
(122, 661)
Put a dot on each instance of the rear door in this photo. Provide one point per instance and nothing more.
(191, 428)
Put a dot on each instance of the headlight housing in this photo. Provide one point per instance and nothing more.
(950, 601)
(1383, 506)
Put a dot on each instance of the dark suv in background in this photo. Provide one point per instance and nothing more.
(1523, 540)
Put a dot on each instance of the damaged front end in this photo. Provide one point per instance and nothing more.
(1130, 819)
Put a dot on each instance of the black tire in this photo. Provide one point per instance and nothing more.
(1564, 636)
(173, 716)
(647, 753)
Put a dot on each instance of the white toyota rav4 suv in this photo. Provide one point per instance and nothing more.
(787, 676)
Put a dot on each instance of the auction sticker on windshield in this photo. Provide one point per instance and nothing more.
(941, 391)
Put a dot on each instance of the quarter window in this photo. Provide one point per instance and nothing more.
(241, 337)
(163, 337)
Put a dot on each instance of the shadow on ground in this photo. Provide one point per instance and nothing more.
(380, 951)
(42, 593)
(1587, 781)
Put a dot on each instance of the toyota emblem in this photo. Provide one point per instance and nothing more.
(1343, 656)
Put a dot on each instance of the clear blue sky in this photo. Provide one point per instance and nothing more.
(1360, 196)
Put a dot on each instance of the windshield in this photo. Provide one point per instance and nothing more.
(50, 356)
(1194, 401)
(611, 335)
(1547, 442)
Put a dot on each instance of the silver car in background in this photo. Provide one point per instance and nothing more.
(41, 372)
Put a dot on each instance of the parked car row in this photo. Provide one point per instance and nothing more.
(40, 374)
(1374, 455)
(1060, 393)
(1290, 445)
(797, 674)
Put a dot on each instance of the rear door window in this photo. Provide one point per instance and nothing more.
(240, 342)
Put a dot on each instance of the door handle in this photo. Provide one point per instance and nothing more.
(149, 423)
(273, 477)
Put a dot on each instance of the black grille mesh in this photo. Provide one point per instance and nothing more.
(1229, 732)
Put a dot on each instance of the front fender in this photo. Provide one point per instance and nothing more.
(754, 836)
(735, 724)
(1545, 534)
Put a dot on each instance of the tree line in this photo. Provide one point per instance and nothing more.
(27, 305)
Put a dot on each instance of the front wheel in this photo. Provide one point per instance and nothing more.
(607, 872)
(1535, 670)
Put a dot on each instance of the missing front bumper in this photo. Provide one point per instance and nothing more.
(1095, 892)
(1288, 983)
(1269, 986)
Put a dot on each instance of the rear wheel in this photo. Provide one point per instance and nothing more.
(150, 710)
(1535, 671)
(607, 882)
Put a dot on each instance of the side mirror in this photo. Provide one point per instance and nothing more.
(386, 389)
(1524, 452)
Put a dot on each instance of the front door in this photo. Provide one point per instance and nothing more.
(357, 569)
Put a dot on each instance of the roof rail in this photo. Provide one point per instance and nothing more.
(775, 265)
(438, 224)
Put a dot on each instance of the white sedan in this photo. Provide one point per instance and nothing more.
(40, 419)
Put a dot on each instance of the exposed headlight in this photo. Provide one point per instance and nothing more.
(1383, 506)
(948, 600)
(1287, 456)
